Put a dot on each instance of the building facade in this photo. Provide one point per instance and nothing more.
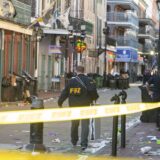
(17, 50)
(57, 54)
(133, 24)
(147, 34)
(122, 18)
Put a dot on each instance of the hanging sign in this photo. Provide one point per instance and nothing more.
(55, 49)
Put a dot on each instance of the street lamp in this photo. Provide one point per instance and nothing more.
(158, 6)
(74, 35)
(37, 33)
(105, 32)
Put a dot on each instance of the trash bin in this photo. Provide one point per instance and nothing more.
(97, 82)
(123, 83)
(113, 83)
(101, 82)
(19, 89)
(120, 84)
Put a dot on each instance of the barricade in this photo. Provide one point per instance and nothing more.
(39, 115)
(8, 155)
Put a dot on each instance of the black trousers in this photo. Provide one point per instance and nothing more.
(84, 132)
(157, 112)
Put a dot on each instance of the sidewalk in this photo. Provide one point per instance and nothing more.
(56, 135)
(41, 94)
(47, 95)
(142, 141)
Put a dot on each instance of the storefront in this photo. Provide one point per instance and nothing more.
(17, 49)
(126, 58)
(141, 64)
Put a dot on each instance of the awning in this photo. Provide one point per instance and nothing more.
(56, 31)
(14, 27)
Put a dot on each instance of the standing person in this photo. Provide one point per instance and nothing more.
(146, 76)
(81, 91)
(155, 92)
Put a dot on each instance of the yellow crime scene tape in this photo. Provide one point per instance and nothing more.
(13, 155)
(65, 114)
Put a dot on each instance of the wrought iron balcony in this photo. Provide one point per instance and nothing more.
(126, 41)
(76, 23)
(146, 34)
(147, 47)
(146, 21)
(126, 4)
(77, 13)
(122, 19)
(23, 12)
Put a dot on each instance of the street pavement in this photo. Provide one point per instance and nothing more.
(57, 134)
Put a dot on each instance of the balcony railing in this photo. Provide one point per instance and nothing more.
(148, 47)
(143, 32)
(145, 48)
(23, 12)
(77, 13)
(124, 1)
(77, 22)
(126, 41)
(119, 17)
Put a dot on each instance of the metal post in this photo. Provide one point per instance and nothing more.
(105, 50)
(36, 130)
(116, 100)
(66, 55)
(1, 60)
(74, 54)
(158, 7)
(159, 46)
(104, 74)
(114, 136)
(123, 95)
(123, 131)
(36, 68)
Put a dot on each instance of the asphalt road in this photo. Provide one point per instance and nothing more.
(57, 134)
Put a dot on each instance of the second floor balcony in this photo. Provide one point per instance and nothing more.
(147, 47)
(126, 41)
(77, 22)
(77, 13)
(126, 19)
(146, 33)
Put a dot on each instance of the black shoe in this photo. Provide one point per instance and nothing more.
(74, 144)
(83, 148)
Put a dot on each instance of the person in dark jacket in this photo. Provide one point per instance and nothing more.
(154, 92)
(81, 91)
(146, 76)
